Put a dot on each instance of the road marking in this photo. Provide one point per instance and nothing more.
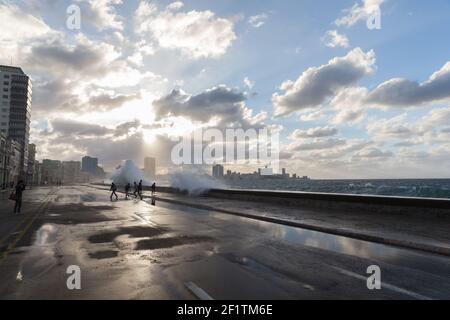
(28, 222)
(384, 285)
(197, 291)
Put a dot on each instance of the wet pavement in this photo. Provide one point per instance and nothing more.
(146, 250)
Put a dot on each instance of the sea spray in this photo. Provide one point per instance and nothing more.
(129, 173)
(193, 182)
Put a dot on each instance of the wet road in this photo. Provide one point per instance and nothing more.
(139, 250)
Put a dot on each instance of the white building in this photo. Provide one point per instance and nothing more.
(15, 109)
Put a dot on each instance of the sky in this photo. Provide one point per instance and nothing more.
(357, 89)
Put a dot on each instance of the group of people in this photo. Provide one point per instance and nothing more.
(136, 193)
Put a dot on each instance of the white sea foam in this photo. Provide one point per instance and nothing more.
(193, 182)
(129, 173)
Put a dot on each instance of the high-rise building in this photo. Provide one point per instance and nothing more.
(89, 165)
(15, 110)
(218, 171)
(150, 168)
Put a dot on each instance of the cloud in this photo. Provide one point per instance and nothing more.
(175, 5)
(248, 83)
(388, 129)
(258, 21)
(84, 58)
(67, 128)
(373, 153)
(359, 12)
(198, 34)
(318, 132)
(317, 144)
(317, 84)
(334, 39)
(108, 100)
(401, 92)
(220, 102)
(101, 14)
(26, 26)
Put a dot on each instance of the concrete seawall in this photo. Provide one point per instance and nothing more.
(420, 207)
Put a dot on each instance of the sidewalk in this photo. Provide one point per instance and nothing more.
(430, 235)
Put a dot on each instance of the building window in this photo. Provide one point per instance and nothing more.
(5, 97)
(5, 89)
(6, 83)
(6, 76)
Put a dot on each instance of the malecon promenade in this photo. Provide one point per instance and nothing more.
(224, 245)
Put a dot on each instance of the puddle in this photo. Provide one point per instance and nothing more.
(107, 254)
(133, 232)
(46, 235)
(166, 243)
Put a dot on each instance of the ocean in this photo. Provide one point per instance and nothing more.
(422, 188)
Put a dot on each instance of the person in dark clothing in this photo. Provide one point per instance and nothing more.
(18, 196)
(154, 188)
(140, 189)
(113, 189)
(127, 190)
(135, 189)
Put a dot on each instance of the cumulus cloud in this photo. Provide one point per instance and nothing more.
(316, 144)
(248, 83)
(334, 39)
(220, 102)
(373, 153)
(68, 128)
(359, 11)
(400, 92)
(102, 14)
(258, 21)
(318, 132)
(317, 84)
(199, 34)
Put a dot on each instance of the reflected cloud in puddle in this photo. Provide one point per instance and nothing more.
(45, 235)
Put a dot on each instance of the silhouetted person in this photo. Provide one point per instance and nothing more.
(18, 196)
(127, 190)
(135, 189)
(113, 189)
(154, 188)
(140, 189)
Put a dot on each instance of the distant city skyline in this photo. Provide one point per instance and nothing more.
(350, 99)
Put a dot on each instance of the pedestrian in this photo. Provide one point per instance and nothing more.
(20, 187)
(127, 190)
(140, 189)
(153, 188)
(135, 189)
(113, 193)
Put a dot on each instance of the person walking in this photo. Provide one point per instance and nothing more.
(20, 188)
(135, 189)
(140, 189)
(113, 193)
(153, 188)
(127, 190)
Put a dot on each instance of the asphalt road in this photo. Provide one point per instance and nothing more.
(143, 250)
